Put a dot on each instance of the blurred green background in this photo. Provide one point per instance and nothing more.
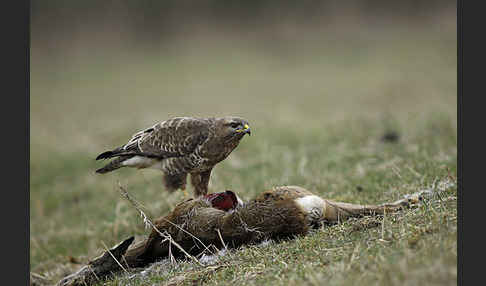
(100, 68)
(319, 82)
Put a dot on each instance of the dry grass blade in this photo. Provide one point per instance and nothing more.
(147, 221)
(92, 272)
(221, 238)
(190, 234)
(112, 256)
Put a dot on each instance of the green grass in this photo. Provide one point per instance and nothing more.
(317, 114)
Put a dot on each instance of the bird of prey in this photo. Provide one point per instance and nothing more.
(178, 147)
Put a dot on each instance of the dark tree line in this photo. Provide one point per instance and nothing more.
(162, 16)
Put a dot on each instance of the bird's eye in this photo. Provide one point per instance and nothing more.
(234, 125)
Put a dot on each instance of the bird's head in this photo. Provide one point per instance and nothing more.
(233, 128)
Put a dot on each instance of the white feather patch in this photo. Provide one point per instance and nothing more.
(138, 161)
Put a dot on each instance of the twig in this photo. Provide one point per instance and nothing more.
(147, 221)
(92, 272)
(171, 257)
(36, 275)
(118, 262)
(205, 247)
(383, 224)
(396, 170)
(221, 238)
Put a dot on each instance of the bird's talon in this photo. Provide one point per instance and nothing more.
(186, 195)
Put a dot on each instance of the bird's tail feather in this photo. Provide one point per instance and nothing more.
(113, 165)
(119, 152)
(105, 155)
(110, 154)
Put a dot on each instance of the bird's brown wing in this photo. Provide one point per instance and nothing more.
(175, 137)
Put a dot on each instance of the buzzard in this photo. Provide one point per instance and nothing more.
(178, 147)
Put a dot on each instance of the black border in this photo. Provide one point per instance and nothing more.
(471, 244)
(460, 279)
(15, 258)
(27, 124)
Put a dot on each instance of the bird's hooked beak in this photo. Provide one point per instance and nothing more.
(246, 129)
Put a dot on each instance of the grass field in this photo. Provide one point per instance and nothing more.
(317, 110)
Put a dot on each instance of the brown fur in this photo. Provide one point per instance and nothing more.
(273, 214)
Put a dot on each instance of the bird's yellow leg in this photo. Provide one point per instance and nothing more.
(186, 194)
